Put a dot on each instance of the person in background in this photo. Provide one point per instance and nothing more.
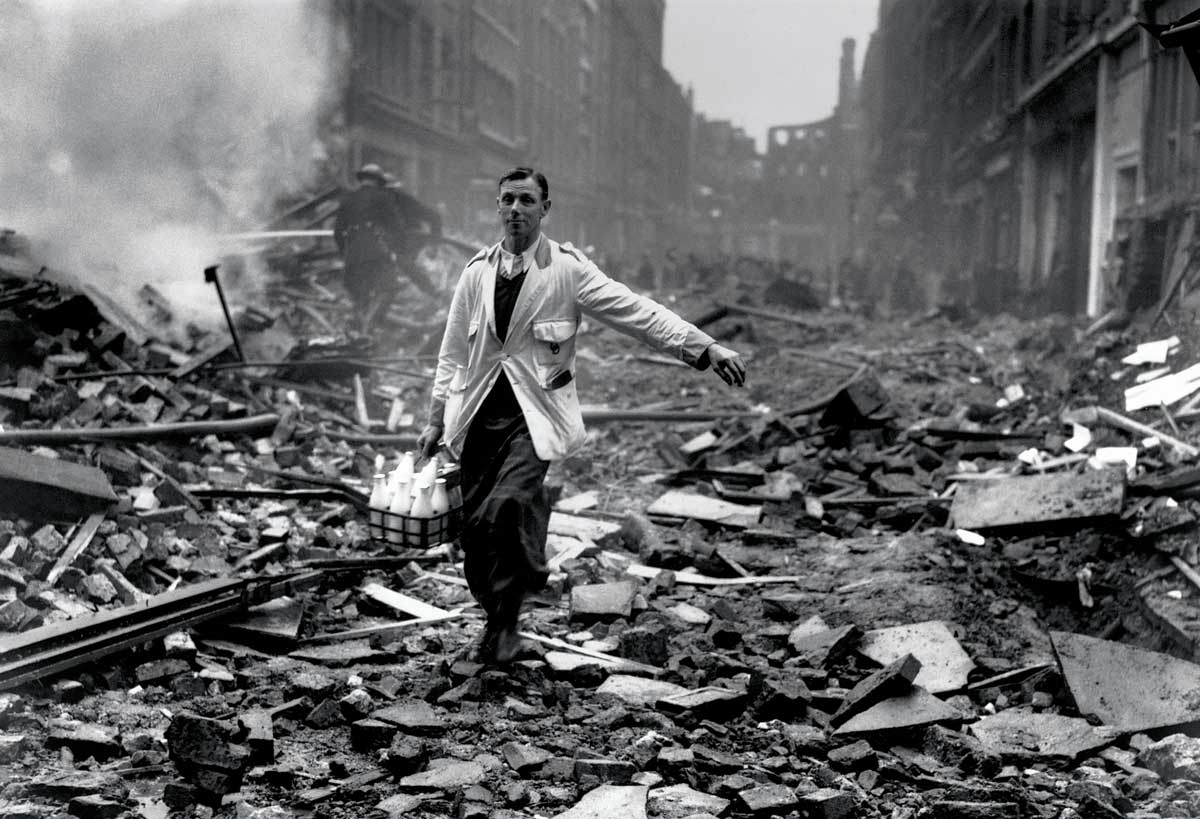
(417, 224)
(370, 231)
(504, 399)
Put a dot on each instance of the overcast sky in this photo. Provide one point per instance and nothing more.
(763, 62)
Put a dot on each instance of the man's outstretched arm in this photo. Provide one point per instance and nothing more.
(652, 323)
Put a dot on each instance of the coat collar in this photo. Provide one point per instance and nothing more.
(535, 281)
(541, 255)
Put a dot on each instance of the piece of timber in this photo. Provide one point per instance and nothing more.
(379, 631)
(401, 602)
(1039, 499)
(41, 488)
(201, 358)
(173, 484)
(147, 432)
(1168, 483)
(78, 543)
(276, 494)
(697, 579)
(1090, 415)
(56, 647)
(621, 663)
(366, 564)
(900, 500)
(773, 315)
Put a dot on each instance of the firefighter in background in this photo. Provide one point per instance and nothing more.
(419, 224)
(374, 233)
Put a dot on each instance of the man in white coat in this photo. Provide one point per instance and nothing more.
(504, 400)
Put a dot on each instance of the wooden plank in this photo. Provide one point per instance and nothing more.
(41, 488)
(583, 528)
(697, 579)
(677, 504)
(82, 538)
(619, 662)
(380, 631)
(201, 358)
(401, 602)
(1181, 263)
(563, 548)
(1038, 499)
(278, 620)
(129, 593)
(361, 415)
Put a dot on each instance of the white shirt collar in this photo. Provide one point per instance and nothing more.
(529, 254)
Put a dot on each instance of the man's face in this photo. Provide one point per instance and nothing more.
(521, 209)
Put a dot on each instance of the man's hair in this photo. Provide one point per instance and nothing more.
(522, 172)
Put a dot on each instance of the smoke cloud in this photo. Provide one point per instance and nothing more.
(134, 132)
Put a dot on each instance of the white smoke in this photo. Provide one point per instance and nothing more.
(133, 132)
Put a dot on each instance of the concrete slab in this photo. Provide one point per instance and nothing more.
(916, 708)
(278, 620)
(692, 615)
(944, 664)
(607, 801)
(1025, 734)
(564, 661)
(339, 655)
(893, 680)
(603, 600)
(679, 801)
(412, 716)
(639, 690)
(400, 805)
(818, 648)
(709, 702)
(452, 775)
(1038, 499)
(1128, 688)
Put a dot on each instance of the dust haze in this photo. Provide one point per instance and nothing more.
(136, 132)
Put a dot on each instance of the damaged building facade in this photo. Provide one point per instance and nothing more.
(449, 94)
(1057, 132)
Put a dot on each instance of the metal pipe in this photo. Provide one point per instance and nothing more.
(210, 275)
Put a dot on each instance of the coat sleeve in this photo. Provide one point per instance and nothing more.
(640, 317)
(454, 350)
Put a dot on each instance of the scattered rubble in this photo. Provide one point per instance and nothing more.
(761, 611)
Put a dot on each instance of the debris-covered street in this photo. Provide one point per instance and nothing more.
(888, 579)
(599, 409)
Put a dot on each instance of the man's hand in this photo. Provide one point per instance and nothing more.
(727, 364)
(427, 443)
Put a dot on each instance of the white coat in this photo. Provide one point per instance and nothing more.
(538, 353)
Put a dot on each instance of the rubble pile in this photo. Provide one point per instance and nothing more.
(889, 581)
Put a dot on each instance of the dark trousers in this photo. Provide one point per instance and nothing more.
(506, 514)
(371, 281)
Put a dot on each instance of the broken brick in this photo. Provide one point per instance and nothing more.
(768, 800)
(367, 735)
(891, 681)
(827, 803)
(856, 756)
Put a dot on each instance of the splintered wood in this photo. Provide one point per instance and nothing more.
(1038, 499)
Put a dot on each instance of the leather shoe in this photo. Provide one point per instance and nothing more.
(508, 645)
(485, 651)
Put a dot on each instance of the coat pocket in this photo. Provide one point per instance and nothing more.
(554, 341)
